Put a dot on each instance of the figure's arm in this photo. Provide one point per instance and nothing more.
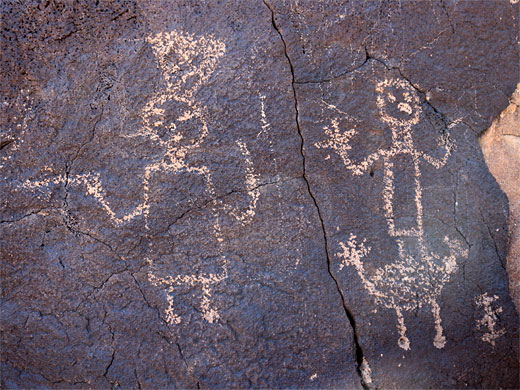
(361, 167)
(251, 187)
(447, 144)
(340, 142)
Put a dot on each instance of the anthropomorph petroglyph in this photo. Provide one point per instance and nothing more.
(176, 54)
(414, 279)
(490, 318)
(177, 123)
(173, 51)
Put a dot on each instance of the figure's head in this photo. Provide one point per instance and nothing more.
(398, 103)
(186, 61)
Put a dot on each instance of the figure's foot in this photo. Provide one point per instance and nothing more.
(439, 340)
(404, 343)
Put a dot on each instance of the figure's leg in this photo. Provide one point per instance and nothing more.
(403, 341)
(171, 317)
(209, 314)
(439, 340)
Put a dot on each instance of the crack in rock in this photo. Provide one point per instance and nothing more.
(360, 359)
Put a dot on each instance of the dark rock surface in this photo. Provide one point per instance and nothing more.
(254, 194)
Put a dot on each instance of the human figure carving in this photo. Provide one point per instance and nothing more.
(176, 122)
(411, 281)
(490, 318)
(186, 63)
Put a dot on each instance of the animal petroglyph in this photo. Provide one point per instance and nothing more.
(490, 318)
(177, 123)
(414, 279)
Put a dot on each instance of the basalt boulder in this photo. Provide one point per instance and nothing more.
(265, 194)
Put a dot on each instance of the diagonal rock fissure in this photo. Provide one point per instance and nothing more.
(448, 16)
(443, 116)
(359, 352)
(340, 75)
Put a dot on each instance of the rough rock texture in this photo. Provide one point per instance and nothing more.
(262, 194)
(501, 147)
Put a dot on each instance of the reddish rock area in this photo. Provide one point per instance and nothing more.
(501, 147)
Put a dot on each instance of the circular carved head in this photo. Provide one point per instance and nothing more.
(398, 103)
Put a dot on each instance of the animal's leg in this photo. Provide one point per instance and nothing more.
(439, 340)
(403, 341)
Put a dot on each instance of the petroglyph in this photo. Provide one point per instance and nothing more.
(265, 124)
(490, 318)
(176, 54)
(204, 281)
(413, 280)
(13, 136)
(186, 63)
(93, 187)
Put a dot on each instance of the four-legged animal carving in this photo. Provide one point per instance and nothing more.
(413, 280)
